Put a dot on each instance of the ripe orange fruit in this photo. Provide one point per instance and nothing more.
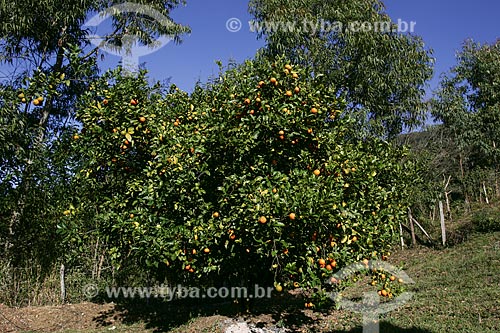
(206, 250)
(275, 190)
(232, 237)
(191, 270)
(382, 276)
(392, 278)
(316, 172)
(310, 130)
(281, 132)
(188, 267)
(258, 100)
(354, 238)
(176, 123)
(115, 130)
(105, 102)
(365, 261)
(296, 284)
(314, 110)
(297, 90)
(193, 251)
(292, 216)
(215, 214)
(247, 101)
(251, 112)
(285, 251)
(321, 261)
(288, 67)
(262, 219)
(400, 280)
(131, 216)
(142, 119)
(133, 102)
(328, 267)
(282, 137)
(273, 81)
(261, 83)
(384, 292)
(295, 75)
(288, 93)
(36, 102)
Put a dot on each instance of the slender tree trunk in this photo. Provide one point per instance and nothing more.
(26, 181)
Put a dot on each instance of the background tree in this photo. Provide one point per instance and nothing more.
(382, 73)
(468, 105)
(44, 48)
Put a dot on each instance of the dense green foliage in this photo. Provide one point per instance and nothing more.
(253, 178)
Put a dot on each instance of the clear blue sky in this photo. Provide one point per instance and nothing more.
(443, 24)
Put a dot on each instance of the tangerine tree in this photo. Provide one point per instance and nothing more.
(256, 177)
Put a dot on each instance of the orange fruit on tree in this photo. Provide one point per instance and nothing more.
(142, 119)
(133, 102)
(292, 216)
(206, 250)
(392, 278)
(282, 137)
(247, 101)
(316, 172)
(310, 130)
(261, 83)
(215, 214)
(262, 219)
(321, 261)
(281, 132)
(105, 102)
(384, 292)
(232, 237)
(275, 190)
(258, 100)
(273, 81)
(288, 67)
(176, 123)
(288, 93)
(328, 267)
(297, 90)
(314, 110)
(295, 75)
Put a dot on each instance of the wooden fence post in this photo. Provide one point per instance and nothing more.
(443, 227)
(412, 228)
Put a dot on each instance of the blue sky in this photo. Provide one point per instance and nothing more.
(443, 24)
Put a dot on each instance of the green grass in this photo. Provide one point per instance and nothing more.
(457, 289)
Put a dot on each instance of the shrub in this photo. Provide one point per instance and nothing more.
(255, 178)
